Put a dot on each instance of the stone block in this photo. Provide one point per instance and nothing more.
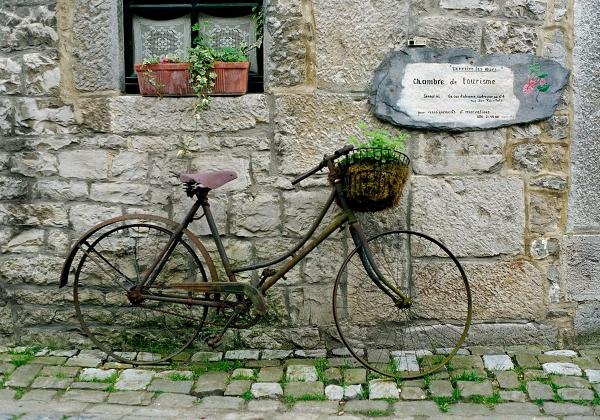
(507, 380)
(477, 7)
(469, 389)
(83, 164)
(503, 283)
(334, 392)
(286, 32)
(10, 76)
(302, 389)
(175, 387)
(440, 388)
(62, 190)
(507, 37)
(529, 157)
(27, 241)
(23, 376)
(84, 216)
(34, 164)
(275, 354)
(130, 166)
(130, 397)
(529, 9)
(301, 373)
(254, 215)
(172, 401)
(221, 403)
(512, 333)
(134, 379)
(211, 383)
(474, 217)
(205, 356)
(32, 29)
(90, 374)
(582, 271)
(96, 55)
(333, 374)
(122, 193)
(514, 396)
(527, 361)
(242, 355)
(237, 388)
(136, 114)
(413, 393)
(449, 32)
(270, 374)
(383, 388)
(353, 392)
(544, 212)
(34, 214)
(593, 375)
(355, 376)
(310, 305)
(43, 116)
(498, 362)
(242, 373)
(266, 390)
(584, 206)
(42, 74)
(572, 410)
(12, 188)
(307, 126)
(562, 368)
(41, 269)
(86, 396)
(458, 154)
(259, 406)
(51, 383)
(374, 30)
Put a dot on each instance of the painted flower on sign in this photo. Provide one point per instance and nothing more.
(537, 80)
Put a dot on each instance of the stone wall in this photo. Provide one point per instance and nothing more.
(75, 151)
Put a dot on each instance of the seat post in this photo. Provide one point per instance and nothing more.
(214, 231)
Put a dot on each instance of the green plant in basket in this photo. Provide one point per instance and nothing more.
(372, 141)
(375, 172)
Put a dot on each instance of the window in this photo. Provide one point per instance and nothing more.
(157, 28)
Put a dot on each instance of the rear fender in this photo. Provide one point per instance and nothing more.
(64, 276)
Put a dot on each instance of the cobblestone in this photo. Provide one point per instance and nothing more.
(23, 376)
(498, 362)
(52, 392)
(301, 373)
(134, 379)
(562, 369)
(242, 355)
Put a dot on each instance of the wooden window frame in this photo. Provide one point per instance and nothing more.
(153, 9)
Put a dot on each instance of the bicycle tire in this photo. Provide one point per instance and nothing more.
(118, 326)
(403, 342)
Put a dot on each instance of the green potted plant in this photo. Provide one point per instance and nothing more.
(164, 76)
(375, 172)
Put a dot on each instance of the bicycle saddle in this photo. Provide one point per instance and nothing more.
(209, 179)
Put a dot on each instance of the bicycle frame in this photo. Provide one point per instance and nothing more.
(297, 253)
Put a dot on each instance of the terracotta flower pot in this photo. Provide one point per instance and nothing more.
(168, 79)
(232, 78)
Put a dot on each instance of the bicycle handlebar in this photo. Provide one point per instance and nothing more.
(340, 152)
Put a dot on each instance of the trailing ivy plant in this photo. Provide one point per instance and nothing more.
(202, 56)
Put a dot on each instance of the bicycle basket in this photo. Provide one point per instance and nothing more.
(373, 178)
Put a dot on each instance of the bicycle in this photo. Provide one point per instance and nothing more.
(144, 280)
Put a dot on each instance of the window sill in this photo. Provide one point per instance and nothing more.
(136, 114)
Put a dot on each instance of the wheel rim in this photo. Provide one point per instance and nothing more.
(103, 309)
(437, 322)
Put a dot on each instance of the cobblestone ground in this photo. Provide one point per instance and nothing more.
(483, 382)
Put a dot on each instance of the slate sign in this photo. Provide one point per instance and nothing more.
(459, 90)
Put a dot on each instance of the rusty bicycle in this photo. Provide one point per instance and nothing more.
(143, 280)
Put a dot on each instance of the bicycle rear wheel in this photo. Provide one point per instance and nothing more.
(113, 261)
(404, 342)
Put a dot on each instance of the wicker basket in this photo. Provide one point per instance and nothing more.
(373, 178)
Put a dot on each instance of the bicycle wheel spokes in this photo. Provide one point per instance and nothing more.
(403, 341)
(116, 318)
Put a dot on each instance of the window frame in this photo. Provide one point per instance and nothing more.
(151, 8)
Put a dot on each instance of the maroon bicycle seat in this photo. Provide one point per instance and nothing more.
(209, 179)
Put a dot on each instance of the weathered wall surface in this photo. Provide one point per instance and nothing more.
(75, 150)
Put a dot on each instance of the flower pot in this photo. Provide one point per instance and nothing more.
(232, 78)
(168, 79)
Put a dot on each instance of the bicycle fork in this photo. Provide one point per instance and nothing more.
(400, 299)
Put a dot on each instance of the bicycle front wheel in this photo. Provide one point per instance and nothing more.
(113, 261)
(403, 342)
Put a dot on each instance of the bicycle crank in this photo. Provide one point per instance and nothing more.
(251, 292)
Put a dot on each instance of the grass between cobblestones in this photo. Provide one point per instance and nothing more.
(377, 413)
(247, 396)
(489, 401)
(289, 399)
(222, 366)
(468, 376)
(444, 402)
